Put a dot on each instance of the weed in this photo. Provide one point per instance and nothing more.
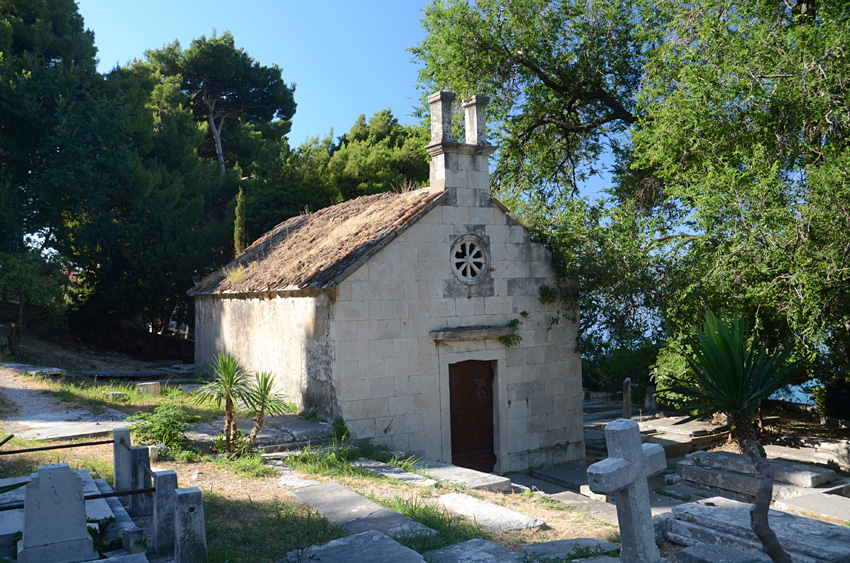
(310, 415)
(510, 340)
(451, 529)
(251, 465)
(166, 425)
(614, 537)
(340, 430)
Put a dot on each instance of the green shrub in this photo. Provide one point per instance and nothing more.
(166, 425)
(340, 429)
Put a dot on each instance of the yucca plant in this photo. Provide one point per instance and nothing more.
(263, 400)
(732, 373)
(229, 385)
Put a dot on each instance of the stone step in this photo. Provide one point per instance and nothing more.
(371, 546)
(526, 482)
(710, 553)
(355, 513)
(830, 508)
(722, 521)
(790, 472)
(492, 516)
(392, 472)
(474, 551)
(467, 478)
(571, 476)
(567, 549)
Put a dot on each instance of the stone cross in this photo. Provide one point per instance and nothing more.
(624, 475)
(55, 529)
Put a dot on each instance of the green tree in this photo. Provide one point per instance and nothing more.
(728, 133)
(224, 84)
(732, 373)
(239, 238)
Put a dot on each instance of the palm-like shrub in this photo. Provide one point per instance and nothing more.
(229, 385)
(732, 373)
(263, 400)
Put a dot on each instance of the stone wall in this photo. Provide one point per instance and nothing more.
(285, 333)
(393, 373)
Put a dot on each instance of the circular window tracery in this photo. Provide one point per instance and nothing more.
(469, 259)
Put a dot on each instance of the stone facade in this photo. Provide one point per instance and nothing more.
(377, 347)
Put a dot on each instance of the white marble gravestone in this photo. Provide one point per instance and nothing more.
(624, 475)
(55, 528)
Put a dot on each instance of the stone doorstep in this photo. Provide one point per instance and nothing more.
(492, 516)
(798, 534)
(392, 472)
(830, 508)
(790, 472)
(566, 548)
(474, 551)
(355, 513)
(571, 476)
(371, 546)
(467, 478)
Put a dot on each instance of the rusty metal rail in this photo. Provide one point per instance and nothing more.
(60, 447)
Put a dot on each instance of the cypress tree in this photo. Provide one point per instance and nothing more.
(239, 238)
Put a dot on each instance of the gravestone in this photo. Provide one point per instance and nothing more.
(627, 398)
(624, 475)
(55, 529)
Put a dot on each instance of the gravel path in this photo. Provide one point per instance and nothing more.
(26, 394)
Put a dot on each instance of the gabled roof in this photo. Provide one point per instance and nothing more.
(319, 250)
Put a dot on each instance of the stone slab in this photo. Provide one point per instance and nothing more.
(474, 551)
(571, 476)
(370, 546)
(710, 553)
(494, 517)
(797, 534)
(132, 558)
(743, 485)
(73, 431)
(567, 548)
(786, 471)
(675, 445)
(598, 509)
(671, 425)
(467, 478)
(392, 472)
(526, 482)
(355, 513)
(832, 508)
(38, 371)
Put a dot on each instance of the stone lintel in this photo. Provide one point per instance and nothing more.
(472, 333)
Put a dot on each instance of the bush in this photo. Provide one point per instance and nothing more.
(166, 425)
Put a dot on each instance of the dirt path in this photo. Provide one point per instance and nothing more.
(25, 401)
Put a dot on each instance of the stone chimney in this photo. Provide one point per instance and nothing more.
(461, 169)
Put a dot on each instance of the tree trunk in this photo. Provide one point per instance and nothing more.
(759, 512)
(258, 426)
(216, 132)
(228, 422)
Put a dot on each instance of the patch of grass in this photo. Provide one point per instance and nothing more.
(251, 465)
(310, 415)
(450, 528)
(614, 537)
(553, 504)
(333, 461)
(244, 531)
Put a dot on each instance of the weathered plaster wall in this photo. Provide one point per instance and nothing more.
(285, 333)
(393, 376)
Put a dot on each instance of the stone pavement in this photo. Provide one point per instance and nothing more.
(492, 516)
(355, 513)
(371, 545)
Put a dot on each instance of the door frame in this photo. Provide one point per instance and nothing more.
(453, 353)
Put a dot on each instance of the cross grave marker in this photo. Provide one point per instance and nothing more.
(624, 475)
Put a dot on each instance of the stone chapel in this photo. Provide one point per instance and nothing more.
(417, 317)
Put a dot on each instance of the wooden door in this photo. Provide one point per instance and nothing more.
(471, 399)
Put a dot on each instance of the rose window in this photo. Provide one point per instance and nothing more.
(469, 259)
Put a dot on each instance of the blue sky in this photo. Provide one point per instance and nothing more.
(345, 57)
